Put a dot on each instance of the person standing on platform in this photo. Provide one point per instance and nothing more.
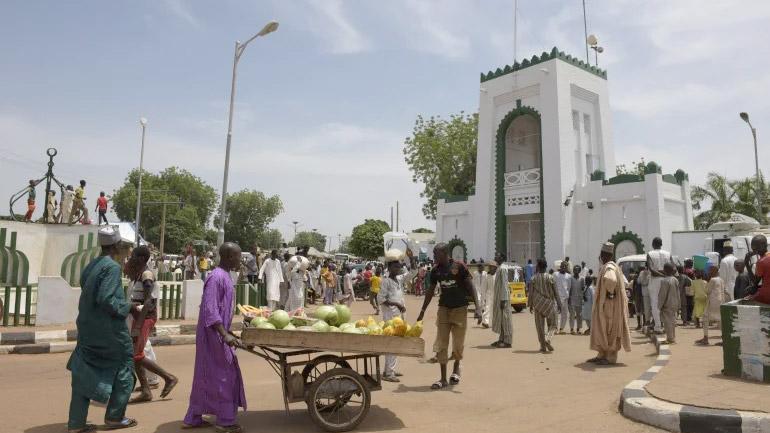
(656, 258)
(609, 318)
(272, 270)
(669, 301)
(31, 196)
(543, 302)
(217, 387)
(101, 208)
(102, 363)
(502, 316)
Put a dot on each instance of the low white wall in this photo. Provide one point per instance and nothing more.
(192, 292)
(57, 302)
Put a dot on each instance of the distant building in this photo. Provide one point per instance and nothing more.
(545, 183)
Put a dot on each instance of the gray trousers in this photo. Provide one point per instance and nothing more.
(543, 335)
(575, 316)
(669, 323)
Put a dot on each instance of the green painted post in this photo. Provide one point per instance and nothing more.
(17, 306)
(164, 297)
(731, 345)
(171, 301)
(28, 307)
(7, 299)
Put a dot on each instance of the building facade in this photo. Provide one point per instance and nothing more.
(543, 183)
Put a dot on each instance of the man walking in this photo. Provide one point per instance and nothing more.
(669, 302)
(101, 207)
(576, 301)
(488, 290)
(456, 286)
(101, 364)
(273, 271)
(79, 205)
(485, 297)
(502, 320)
(563, 280)
(391, 298)
(217, 387)
(609, 319)
(543, 303)
(655, 261)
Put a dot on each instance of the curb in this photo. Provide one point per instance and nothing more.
(69, 346)
(639, 405)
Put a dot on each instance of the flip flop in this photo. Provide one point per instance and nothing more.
(454, 379)
(602, 362)
(438, 385)
(117, 425)
(88, 428)
(168, 387)
(140, 399)
(594, 360)
(191, 426)
(392, 378)
(235, 428)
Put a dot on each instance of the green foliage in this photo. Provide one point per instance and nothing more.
(723, 197)
(442, 155)
(637, 168)
(270, 239)
(310, 239)
(366, 240)
(248, 214)
(182, 224)
(422, 230)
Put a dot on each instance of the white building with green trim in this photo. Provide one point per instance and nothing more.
(542, 189)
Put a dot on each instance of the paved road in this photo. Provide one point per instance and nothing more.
(511, 390)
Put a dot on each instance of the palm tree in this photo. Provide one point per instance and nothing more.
(746, 197)
(719, 193)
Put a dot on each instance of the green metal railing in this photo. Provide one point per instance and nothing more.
(17, 304)
(170, 276)
(170, 302)
(251, 294)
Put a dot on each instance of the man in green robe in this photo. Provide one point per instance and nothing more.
(102, 363)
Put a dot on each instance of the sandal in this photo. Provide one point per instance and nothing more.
(602, 362)
(117, 425)
(88, 428)
(141, 398)
(391, 378)
(235, 428)
(168, 387)
(454, 379)
(594, 360)
(438, 385)
(192, 426)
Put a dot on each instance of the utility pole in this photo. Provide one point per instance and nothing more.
(296, 223)
(392, 227)
(397, 227)
(164, 202)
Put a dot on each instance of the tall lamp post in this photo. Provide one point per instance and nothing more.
(239, 48)
(745, 117)
(138, 218)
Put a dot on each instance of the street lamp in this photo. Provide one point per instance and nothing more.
(138, 218)
(239, 48)
(745, 117)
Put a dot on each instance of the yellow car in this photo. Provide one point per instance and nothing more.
(518, 295)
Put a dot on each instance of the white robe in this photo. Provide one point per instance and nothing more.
(272, 268)
(296, 296)
(728, 274)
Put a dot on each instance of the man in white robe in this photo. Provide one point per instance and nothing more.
(479, 281)
(656, 259)
(727, 271)
(272, 269)
(502, 320)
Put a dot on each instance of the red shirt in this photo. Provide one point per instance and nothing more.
(367, 275)
(763, 271)
(102, 203)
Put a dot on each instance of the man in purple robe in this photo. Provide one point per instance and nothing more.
(217, 387)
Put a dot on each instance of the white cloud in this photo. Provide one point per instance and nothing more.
(180, 9)
(438, 27)
(332, 24)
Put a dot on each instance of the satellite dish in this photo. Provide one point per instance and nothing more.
(591, 39)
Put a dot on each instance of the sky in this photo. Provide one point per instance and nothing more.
(323, 104)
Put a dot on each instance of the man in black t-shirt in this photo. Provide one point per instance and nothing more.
(456, 286)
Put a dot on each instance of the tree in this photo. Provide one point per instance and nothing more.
(198, 197)
(248, 214)
(366, 240)
(310, 239)
(270, 239)
(442, 155)
(422, 230)
(725, 197)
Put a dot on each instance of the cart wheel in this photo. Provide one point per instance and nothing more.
(320, 365)
(338, 400)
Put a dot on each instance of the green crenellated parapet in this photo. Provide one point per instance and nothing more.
(14, 265)
(74, 263)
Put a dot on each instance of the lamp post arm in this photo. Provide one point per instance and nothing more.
(223, 205)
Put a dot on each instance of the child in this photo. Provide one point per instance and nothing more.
(684, 285)
(668, 299)
(715, 297)
(588, 303)
(374, 289)
(699, 295)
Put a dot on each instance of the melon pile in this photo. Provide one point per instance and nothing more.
(336, 318)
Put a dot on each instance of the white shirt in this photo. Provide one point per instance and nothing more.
(727, 272)
(658, 258)
(563, 284)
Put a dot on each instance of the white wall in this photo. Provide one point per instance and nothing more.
(57, 302)
(456, 220)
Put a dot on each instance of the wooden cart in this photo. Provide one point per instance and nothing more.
(332, 373)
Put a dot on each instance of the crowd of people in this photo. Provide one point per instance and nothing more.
(72, 208)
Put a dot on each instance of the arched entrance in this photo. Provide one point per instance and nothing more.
(518, 187)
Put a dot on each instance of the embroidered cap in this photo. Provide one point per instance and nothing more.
(608, 247)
